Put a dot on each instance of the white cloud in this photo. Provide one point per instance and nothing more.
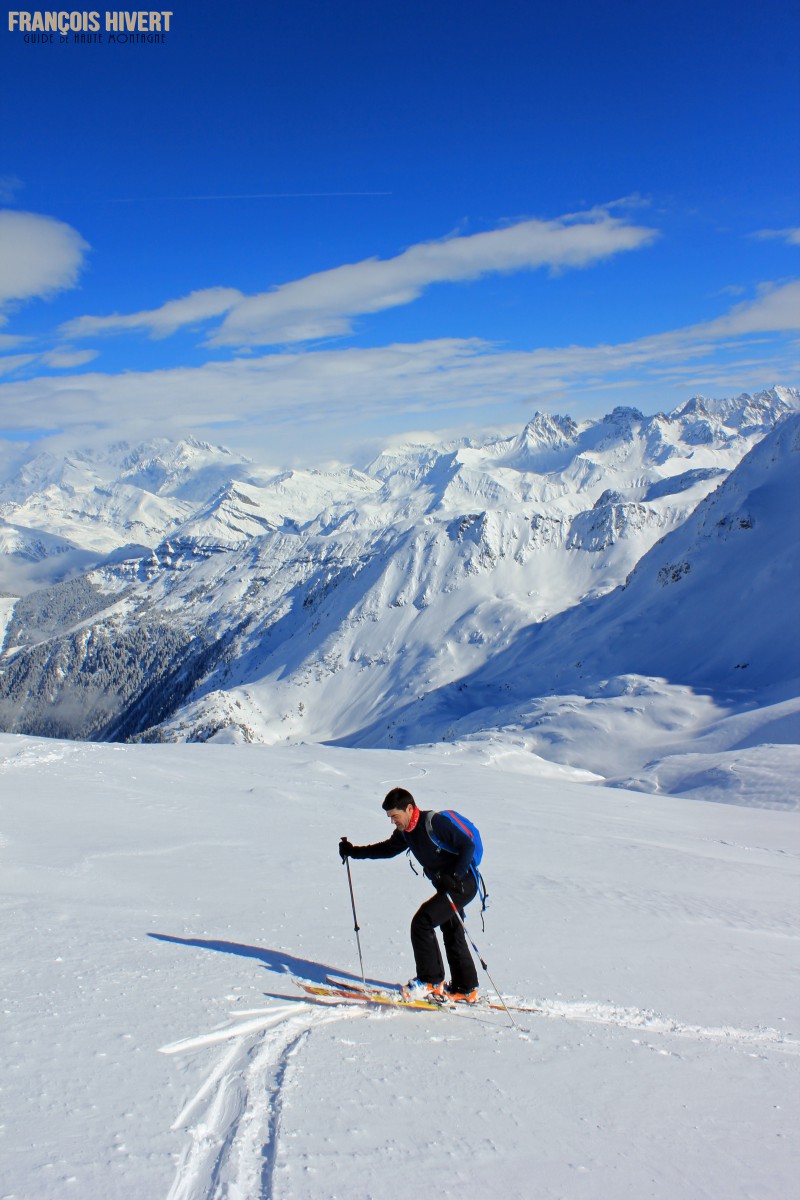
(776, 309)
(38, 255)
(791, 236)
(12, 362)
(193, 309)
(11, 341)
(324, 304)
(301, 404)
(65, 358)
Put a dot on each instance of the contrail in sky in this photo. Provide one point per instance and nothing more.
(247, 196)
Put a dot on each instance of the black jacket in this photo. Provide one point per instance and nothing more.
(456, 859)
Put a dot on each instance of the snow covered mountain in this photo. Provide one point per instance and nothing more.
(443, 591)
(125, 497)
(710, 612)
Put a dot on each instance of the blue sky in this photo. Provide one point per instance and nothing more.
(307, 228)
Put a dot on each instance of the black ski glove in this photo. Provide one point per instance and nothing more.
(345, 849)
(445, 882)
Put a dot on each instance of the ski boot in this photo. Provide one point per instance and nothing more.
(460, 995)
(420, 989)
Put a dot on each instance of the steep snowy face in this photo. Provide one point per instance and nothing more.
(712, 605)
(540, 443)
(313, 604)
(686, 680)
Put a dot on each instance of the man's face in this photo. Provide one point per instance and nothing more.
(401, 817)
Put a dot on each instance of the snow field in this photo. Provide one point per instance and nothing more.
(658, 934)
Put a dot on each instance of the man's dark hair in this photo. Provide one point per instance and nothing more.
(398, 798)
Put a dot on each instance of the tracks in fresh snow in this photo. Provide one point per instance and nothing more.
(647, 1021)
(233, 1120)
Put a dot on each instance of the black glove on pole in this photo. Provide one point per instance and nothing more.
(343, 842)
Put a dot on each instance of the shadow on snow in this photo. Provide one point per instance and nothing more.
(277, 961)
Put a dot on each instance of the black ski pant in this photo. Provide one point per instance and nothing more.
(438, 913)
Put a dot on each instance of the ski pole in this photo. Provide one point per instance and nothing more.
(463, 924)
(355, 920)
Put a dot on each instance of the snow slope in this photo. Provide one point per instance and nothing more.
(158, 898)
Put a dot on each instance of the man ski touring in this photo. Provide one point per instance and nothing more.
(449, 867)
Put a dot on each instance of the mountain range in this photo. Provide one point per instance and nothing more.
(600, 593)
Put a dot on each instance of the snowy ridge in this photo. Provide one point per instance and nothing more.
(105, 494)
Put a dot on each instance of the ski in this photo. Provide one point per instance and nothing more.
(327, 993)
(392, 991)
(351, 987)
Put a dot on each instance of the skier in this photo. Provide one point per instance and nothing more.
(449, 872)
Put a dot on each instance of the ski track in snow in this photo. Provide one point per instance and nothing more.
(645, 1020)
(234, 1119)
(638, 1019)
(395, 780)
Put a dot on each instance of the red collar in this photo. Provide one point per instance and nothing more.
(412, 824)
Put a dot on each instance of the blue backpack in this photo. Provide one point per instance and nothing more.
(464, 824)
(471, 830)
